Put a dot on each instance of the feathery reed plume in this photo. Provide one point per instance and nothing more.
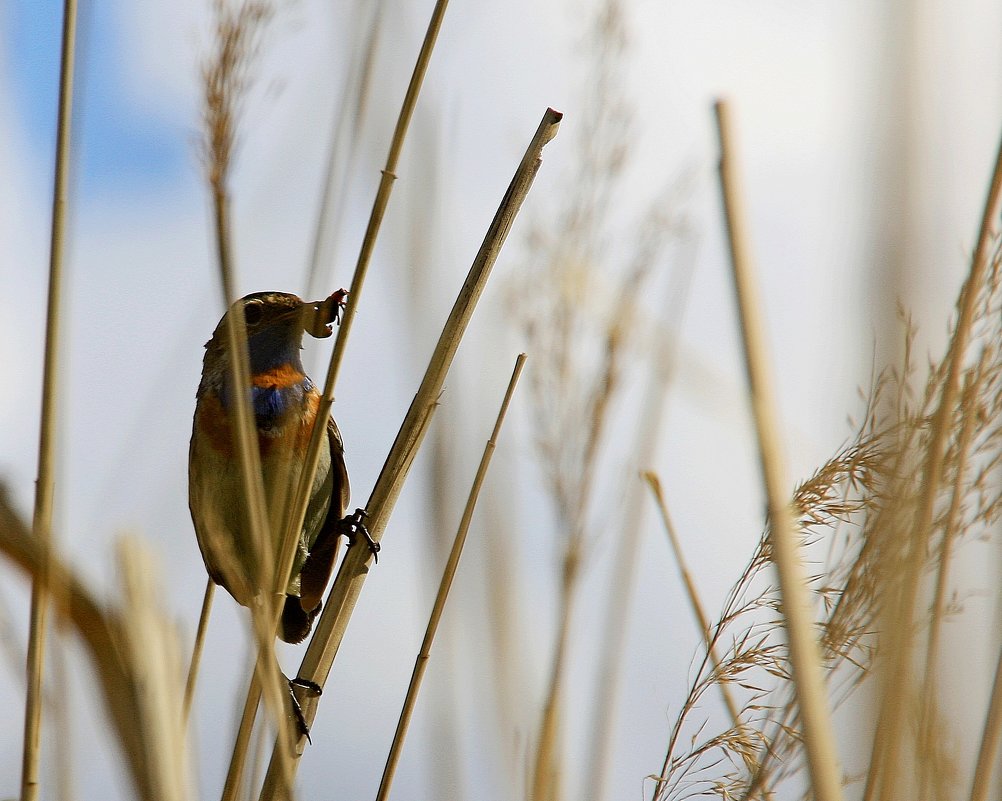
(42, 584)
(580, 325)
(150, 646)
(861, 507)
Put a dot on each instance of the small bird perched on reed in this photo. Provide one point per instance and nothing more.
(284, 402)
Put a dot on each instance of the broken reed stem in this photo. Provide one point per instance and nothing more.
(196, 650)
(896, 698)
(693, 594)
(301, 496)
(44, 487)
(340, 603)
(448, 574)
(805, 654)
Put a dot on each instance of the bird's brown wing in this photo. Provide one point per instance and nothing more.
(299, 613)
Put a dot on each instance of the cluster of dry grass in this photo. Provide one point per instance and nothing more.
(886, 513)
(920, 476)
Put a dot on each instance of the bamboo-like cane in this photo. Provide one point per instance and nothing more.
(343, 596)
(42, 520)
(805, 655)
(448, 574)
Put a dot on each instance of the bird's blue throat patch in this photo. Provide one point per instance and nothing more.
(271, 404)
(279, 383)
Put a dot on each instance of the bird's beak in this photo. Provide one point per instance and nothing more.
(318, 315)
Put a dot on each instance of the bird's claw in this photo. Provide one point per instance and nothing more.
(297, 710)
(354, 524)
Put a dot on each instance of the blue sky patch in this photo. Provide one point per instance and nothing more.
(119, 146)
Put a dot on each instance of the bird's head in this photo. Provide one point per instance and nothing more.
(275, 323)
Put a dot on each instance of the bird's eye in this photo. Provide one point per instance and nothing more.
(253, 311)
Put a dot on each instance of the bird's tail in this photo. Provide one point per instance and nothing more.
(296, 621)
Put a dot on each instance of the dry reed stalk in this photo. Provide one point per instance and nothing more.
(988, 748)
(938, 606)
(862, 502)
(448, 574)
(330, 628)
(150, 647)
(805, 656)
(42, 584)
(295, 510)
(196, 649)
(300, 498)
(884, 768)
(693, 594)
(226, 80)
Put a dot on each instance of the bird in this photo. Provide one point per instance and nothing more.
(285, 403)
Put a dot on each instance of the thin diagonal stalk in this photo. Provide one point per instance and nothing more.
(693, 594)
(938, 607)
(297, 509)
(805, 654)
(897, 693)
(343, 596)
(990, 737)
(421, 662)
(42, 520)
(196, 649)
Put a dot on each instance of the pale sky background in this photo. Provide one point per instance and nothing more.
(850, 115)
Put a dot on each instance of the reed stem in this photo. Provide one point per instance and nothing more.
(448, 574)
(805, 654)
(44, 487)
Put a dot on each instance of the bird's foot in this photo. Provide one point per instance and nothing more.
(354, 524)
(297, 710)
